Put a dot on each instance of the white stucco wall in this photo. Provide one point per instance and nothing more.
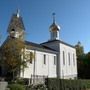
(48, 69)
(64, 71)
(28, 71)
(39, 68)
(68, 70)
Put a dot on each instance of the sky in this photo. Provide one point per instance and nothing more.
(73, 16)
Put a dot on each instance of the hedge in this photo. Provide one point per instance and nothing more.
(16, 87)
(63, 84)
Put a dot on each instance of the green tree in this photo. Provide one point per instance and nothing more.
(83, 62)
(86, 66)
(0, 56)
(12, 51)
(79, 49)
(80, 58)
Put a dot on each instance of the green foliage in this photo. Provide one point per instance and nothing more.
(53, 84)
(79, 49)
(36, 87)
(83, 62)
(11, 56)
(84, 66)
(62, 84)
(16, 87)
(20, 81)
(23, 81)
(11, 52)
(40, 87)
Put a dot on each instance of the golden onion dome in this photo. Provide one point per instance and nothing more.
(54, 26)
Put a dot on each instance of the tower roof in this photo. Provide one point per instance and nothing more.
(16, 22)
(54, 26)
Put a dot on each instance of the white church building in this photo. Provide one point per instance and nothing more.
(53, 58)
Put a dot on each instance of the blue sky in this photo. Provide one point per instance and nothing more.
(73, 16)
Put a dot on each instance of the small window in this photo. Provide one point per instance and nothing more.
(31, 57)
(63, 58)
(54, 60)
(69, 58)
(44, 59)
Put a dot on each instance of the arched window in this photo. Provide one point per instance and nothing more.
(44, 57)
(54, 60)
(73, 59)
(63, 58)
(13, 30)
(69, 58)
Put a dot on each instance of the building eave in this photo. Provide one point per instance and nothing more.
(59, 41)
(39, 47)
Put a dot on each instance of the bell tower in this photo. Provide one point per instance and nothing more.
(16, 27)
(54, 29)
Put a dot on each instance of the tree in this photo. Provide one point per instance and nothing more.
(83, 62)
(79, 49)
(12, 52)
(80, 57)
(86, 66)
(0, 65)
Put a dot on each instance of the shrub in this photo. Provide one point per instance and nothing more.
(22, 81)
(39, 86)
(36, 87)
(16, 87)
(62, 84)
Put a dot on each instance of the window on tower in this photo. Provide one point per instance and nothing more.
(13, 30)
(12, 33)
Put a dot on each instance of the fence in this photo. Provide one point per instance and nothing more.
(37, 79)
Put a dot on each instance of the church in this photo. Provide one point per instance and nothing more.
(53, 58)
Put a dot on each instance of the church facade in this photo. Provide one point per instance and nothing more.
(52, 59)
